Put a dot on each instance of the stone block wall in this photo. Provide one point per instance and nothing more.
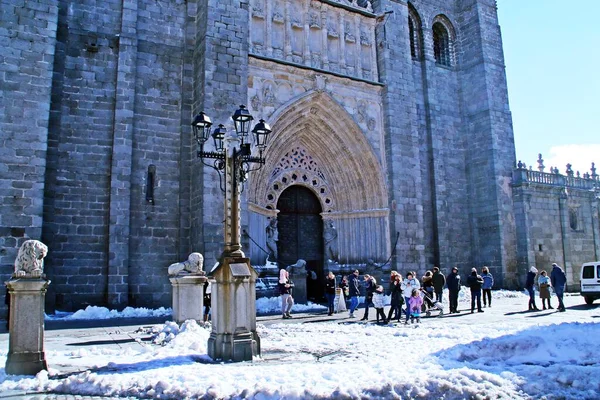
(555, 226)
(116, 114)
(28, 35)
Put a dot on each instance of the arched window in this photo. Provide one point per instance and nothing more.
(443, 41)
(414, 30)
(441, 44)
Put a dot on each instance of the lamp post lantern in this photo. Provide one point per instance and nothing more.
(233, 335)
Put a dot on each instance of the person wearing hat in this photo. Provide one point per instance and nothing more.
(453, 284)
(529, 283)
(474, 282)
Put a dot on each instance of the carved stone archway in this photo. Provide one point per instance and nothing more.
(317, 144)
(316, 139)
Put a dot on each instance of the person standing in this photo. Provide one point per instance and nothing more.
(353, 291)
(207, 297)
(544, 285)
(439, 281)
(453, 284)
(474, 282)
(408, 285)
(330, 291)
(370, 286)
(529, 283)
(396, 300)
(285, 289)
(488, 282)
(559, 282)
(379, 303)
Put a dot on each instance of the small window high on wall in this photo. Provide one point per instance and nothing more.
(442, 46)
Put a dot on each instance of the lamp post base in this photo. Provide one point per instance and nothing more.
(233, 336)
(239, 346)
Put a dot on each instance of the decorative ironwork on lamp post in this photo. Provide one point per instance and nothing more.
(233, 335)
(233, 161)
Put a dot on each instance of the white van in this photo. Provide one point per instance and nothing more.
(590, 281)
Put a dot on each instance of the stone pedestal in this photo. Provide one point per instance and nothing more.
(26, 326)
(233, 336)
(188, 297)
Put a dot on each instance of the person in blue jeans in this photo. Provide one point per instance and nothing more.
(559, 281)
(488, 282)
(529, 286)
(353, 291)
(408, 285)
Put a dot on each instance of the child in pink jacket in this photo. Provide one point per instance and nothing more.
(415, 302)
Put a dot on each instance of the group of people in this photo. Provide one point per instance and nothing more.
(557, 280)
(411, 292)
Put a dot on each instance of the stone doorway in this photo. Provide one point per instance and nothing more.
(301, 234)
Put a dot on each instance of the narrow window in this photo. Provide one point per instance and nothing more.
(150, 179)
(573, 219)
(414, 32)
(441, 44)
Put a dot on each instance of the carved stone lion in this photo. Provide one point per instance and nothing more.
(193, 265)
(30, 260)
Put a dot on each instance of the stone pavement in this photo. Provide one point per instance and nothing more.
(63, 335)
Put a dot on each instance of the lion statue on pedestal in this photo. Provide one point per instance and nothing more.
(30, 260)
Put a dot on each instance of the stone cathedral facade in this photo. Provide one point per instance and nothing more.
(391, 126)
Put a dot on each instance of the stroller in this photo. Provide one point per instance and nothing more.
(429, 304)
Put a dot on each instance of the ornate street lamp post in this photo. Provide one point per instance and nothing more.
(233, 335)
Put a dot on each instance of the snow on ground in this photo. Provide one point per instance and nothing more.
(470, 356)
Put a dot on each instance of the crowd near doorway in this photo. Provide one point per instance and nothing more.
(301, 235)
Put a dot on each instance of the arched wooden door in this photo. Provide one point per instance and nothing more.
(301, 234)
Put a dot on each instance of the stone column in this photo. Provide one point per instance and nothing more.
(26, 326)
(188, 297)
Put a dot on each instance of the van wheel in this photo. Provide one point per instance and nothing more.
(589, 300)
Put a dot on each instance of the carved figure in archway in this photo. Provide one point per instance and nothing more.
(30, 259)
(193, 265)
(330, 236)
(272, 238)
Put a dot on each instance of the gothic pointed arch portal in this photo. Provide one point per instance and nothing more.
(315, 143)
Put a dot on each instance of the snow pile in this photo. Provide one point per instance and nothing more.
(98, 313)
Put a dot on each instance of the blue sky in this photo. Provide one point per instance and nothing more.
(552, 56)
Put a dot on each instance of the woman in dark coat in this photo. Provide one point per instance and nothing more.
(529, 286)
(330, 291)
(396, 296)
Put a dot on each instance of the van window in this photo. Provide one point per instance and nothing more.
(588, 272)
